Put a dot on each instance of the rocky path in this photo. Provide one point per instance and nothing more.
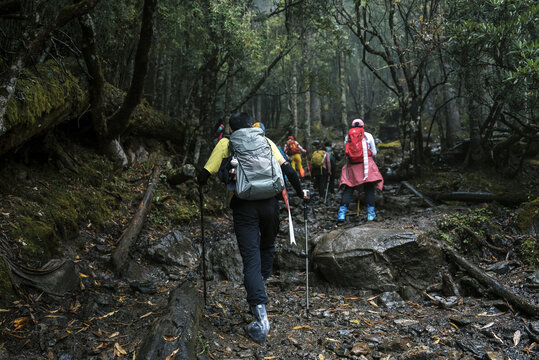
(135, 317)
(347, 323)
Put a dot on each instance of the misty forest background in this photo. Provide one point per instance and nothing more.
(426, 73)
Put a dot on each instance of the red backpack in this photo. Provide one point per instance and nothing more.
(292, 147)
(354, 147)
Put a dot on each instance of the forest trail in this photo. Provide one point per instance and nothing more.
(113, 317)
(347, 323)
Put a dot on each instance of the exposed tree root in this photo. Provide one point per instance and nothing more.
(497, 288)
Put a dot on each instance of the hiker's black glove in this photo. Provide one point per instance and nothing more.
(202, 177)
(292, 176)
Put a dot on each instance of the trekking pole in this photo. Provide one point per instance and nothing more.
(306, 256)
(358, 194)
(203, 241)
(327, 189)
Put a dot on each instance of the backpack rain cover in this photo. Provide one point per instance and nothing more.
(259, 175)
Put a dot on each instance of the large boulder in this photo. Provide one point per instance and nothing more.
(378, 259)
(174, 249)
(224, 260)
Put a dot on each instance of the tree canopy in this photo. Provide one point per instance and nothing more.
(417, 71)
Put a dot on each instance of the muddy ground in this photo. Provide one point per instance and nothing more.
(109, 317)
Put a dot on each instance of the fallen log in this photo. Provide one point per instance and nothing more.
(508, 199)
(407, 185)
(497, 288)
(50, 95)
(175, 334)
(120, 256)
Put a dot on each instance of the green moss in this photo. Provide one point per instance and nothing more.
(456, 228)
(395, 145)
(38, 238)
(530, 251)
(46, 90)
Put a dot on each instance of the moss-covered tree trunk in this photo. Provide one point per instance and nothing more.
(28, 47)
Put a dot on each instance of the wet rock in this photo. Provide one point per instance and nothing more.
(224, 260)
(378, 259)
(534, 326)
(290, 258)
(360, 349)
(490, 355)
(174, 249)
(180, 323)
(4, 355)
(246, 354)
(395, 345)
(391, 299)
(534, 278)
(420, 352)
(405, 322)
(460, 321)
(498, 304)
(337, 348)
(103, 248)
(147, 287)
(471, 287)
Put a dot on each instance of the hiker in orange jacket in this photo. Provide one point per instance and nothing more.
(293, 149)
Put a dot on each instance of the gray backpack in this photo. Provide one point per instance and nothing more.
(259, 175)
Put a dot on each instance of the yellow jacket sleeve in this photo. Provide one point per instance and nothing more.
(220, 151)
(275, 150)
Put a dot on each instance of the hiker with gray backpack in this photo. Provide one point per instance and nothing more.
(252, 167)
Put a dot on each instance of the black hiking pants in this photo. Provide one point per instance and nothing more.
(256, 223)
(349, 191)
(320, 180)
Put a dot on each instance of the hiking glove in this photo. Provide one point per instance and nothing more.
(202, 177)
(292, 176)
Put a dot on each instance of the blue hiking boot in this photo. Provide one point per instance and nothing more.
(341, 215)
(371, 215)
(258, 330)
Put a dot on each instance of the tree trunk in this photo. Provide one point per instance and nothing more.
(452, 117)
(308, 120)
(475, 154)
(362, 90)
(294, 99)
(96, 78)
(316, 105)
(342, 88)
(507, 199)
(119, 121)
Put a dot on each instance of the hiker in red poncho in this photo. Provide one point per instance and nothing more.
(359, 168)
